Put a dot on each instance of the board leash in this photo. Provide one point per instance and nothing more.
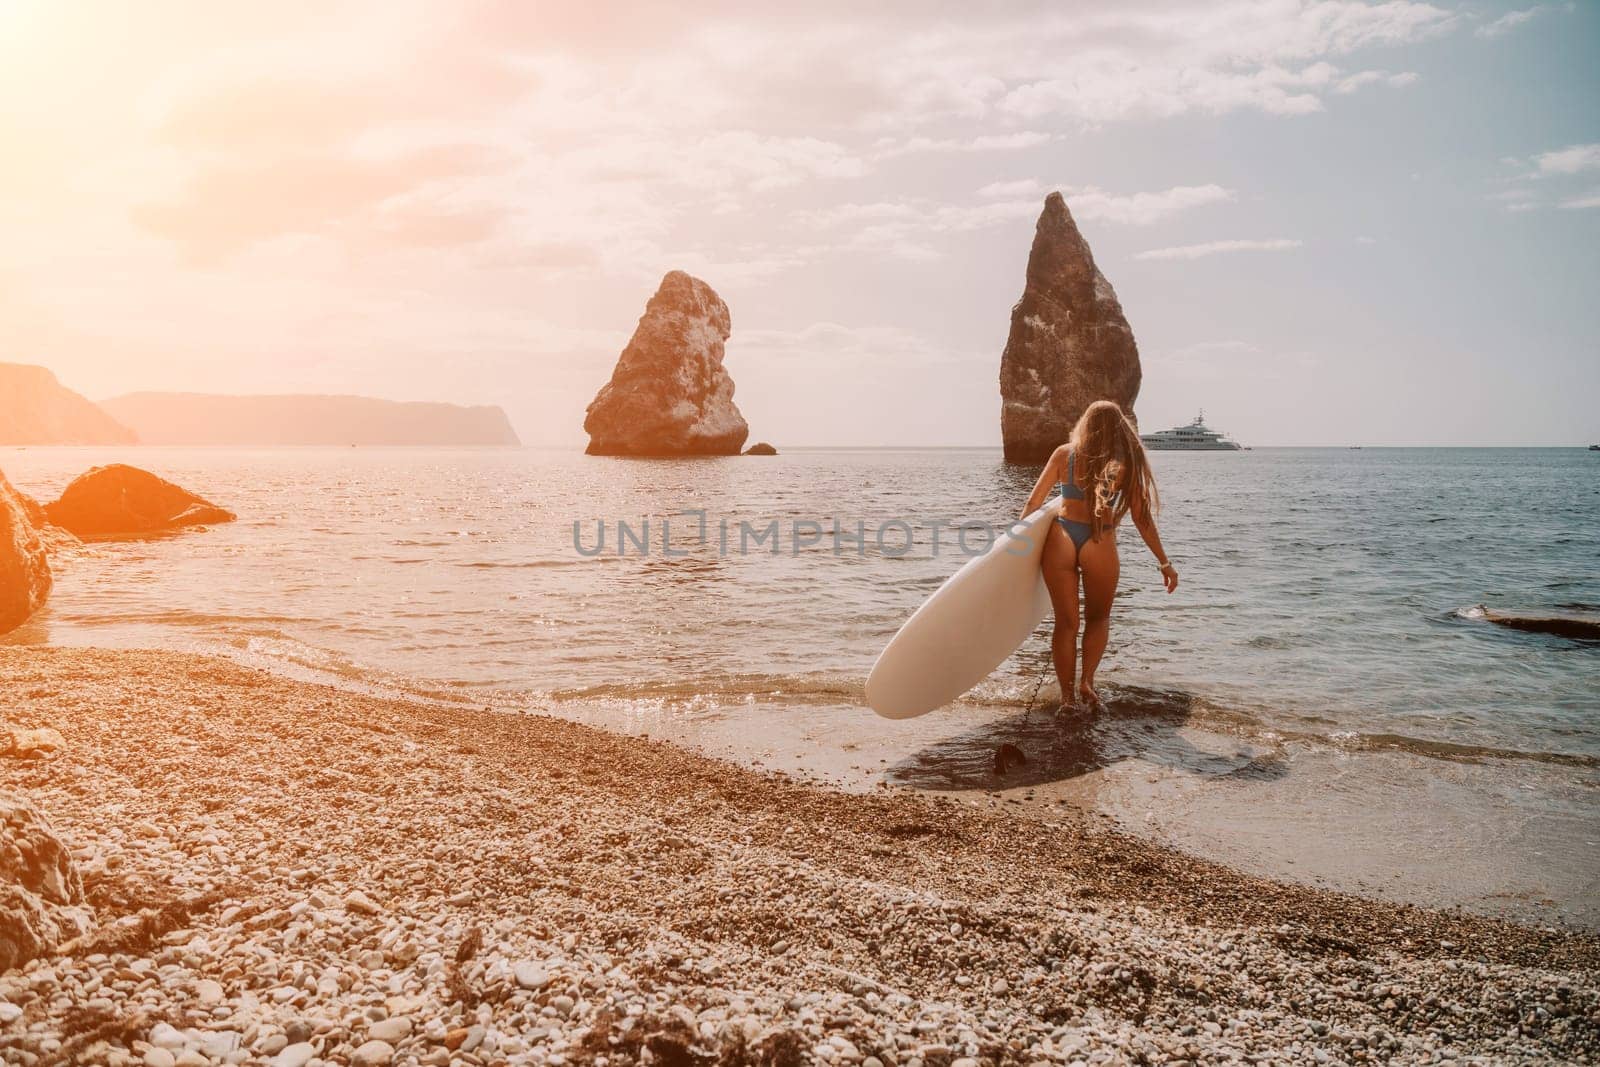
(1038, 685)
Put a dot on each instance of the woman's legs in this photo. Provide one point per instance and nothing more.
(1098, 563)
(1060, 568)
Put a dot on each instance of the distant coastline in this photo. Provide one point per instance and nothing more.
(41, 411)
(306, 419)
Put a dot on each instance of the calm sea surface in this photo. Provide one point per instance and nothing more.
(1324, 621)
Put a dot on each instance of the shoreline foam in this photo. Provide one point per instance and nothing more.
(1279, 800)
(338, 851)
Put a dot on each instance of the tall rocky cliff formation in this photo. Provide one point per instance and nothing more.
(669, 394)
(1069, 343)
(210, 419)
(36, 409)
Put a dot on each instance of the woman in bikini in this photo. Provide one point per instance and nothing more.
(1102, 474)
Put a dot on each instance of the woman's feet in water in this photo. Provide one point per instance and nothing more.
(1077, 710)
(1084, 701)
(1073, 716)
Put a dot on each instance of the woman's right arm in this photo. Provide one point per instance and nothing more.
(1146, 525)
(1041, 489)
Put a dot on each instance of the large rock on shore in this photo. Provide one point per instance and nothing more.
(41, 895)
(122, 501)
(1069, 343)
(669, 394)
(24, 569)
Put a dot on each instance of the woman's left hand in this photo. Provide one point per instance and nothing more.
(1169, 575)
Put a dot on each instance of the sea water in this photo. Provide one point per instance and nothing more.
(1319, 699)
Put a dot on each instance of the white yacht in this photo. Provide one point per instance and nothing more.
(1195, 437)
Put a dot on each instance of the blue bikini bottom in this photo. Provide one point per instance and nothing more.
(1080, 532)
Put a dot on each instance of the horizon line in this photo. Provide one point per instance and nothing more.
(579, 448)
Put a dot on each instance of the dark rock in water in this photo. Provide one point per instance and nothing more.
(118, 500)
(761, 448)
(669, 394)
(41, 894)
(1560, 623)
(1069, 343)
(1008, 756)
(36, 409)
(24, 568)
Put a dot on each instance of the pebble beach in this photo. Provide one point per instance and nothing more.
(292, 874)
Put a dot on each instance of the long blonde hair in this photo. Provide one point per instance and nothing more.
(1111, 460)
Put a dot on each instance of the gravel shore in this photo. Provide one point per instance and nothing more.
(291, 874)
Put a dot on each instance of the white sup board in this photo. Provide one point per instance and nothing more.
(968, 626)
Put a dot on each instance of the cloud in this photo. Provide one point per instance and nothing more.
(1003, 201)
(1213, 248)
(616, 133)
(1210, 59)
(224, 207)
(1142, 209)
(1354, 82)
(1574, 159)
(1527, 190)
(1024, 187)
(458, 173)
(1583, 200)
(888, 148)
(907, 228)
(1516, 199)
(761, 162)
(1508, 22)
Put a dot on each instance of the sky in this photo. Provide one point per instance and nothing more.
(1328, 222)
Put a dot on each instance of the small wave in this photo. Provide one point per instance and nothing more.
(535, 563)
(1270, 641)
(766, 687)
(281, 654)
(1182, 707)
(274, 649)
(1460, 753)
(182, 618)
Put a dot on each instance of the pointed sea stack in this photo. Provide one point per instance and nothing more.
(1069, 344)
(669, 394)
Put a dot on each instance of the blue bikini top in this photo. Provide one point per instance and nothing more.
(1069, 489)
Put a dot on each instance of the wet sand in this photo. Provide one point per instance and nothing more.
(1500, 833)
(332, 876)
